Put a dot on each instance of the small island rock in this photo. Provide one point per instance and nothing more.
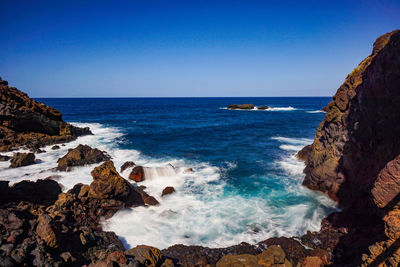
(244, 106)
(81, 155)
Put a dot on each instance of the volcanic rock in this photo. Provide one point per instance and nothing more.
(146, 255)
(25, 122)
(126, 165)
(22, 159)
(108, 183)
(304, 153)
(55, 147)
(167, 191)
(243, 106)
(81, 155)
(263, 108)
(137, 174)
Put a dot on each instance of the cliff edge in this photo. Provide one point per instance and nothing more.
(26, 122)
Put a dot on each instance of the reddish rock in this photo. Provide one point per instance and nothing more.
(167, 191)
(137, 174)
(45, 231)
(146, 255)
(22, 159)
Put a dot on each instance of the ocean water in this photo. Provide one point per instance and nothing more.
(245, 184)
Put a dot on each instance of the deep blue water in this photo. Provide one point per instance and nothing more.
(253, 150)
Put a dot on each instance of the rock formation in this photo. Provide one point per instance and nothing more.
(81, 155)
(25, 122)
(22, 159)
(244, 106)
(355, 157)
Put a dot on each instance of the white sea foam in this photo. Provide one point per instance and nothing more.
(201, 211)
(316, 111)
(269, 109)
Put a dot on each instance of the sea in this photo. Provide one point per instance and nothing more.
(234, 171)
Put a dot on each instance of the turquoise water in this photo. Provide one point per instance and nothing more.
(245, 184)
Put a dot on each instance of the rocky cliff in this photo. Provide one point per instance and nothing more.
(26, 122)
(355, 157)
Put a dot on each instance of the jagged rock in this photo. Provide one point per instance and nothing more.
(147, 199)
(25, 122)
(81, 155)
(126, 165)
(168, 190)
(244, 106)
(137, 174)
(359, 134)
(272, 256)
(43, 192)
(108, 183)
(304, 153)
(45, 231)
(146, 255)
(22, 159)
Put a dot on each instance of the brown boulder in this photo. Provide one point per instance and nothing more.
(55, 147)
(127, 165)
(108, 183)
(81, 155)
(243, 106)
(167, 191)
(137, 174)
(273, 256)
(146, 255)
(22, 159)
(263, 108)
(45, 231)
(43, 192)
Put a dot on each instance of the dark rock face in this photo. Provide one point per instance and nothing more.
(81, 155)
(22, 159)
(244, 106)
(126, 165)
(25, 122)
(304, 153)
(167, 191)
(355, 160)
(359, 134)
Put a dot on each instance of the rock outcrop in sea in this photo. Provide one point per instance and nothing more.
(355, 159)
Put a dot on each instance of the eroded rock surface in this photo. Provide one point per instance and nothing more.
(81, 155)
(26, 122)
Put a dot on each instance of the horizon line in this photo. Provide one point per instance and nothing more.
(119, 97)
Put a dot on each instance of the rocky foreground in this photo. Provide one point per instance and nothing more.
(355, 159)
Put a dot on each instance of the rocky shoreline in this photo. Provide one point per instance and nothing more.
(355, 159)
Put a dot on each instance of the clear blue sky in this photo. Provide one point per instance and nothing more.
(187, 48)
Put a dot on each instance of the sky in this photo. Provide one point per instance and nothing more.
(191, 48)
